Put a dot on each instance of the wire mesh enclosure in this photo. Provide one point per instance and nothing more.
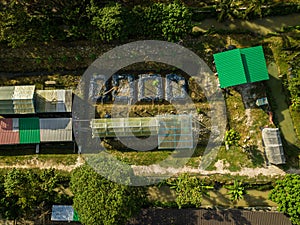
(173, 131)
(112, 127)
(175, 88)
(150, 87)
(99, 89)
(123, 88)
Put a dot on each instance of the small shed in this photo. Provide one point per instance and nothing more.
(63, 213)
(53, 101)
(17, 99)
(262, 101)
(56, 130)
(9, 131)
(273, 146)
(241, 66)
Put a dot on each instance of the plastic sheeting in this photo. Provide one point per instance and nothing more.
(53, 101)
(273, 145)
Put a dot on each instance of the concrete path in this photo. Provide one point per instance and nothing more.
(282, 113)
(262, 26)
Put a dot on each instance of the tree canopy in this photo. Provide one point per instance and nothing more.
(189, 190)
(100, 201)
(25, 191)
(286, 194)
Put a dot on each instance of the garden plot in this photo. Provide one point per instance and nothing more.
(150, 87)
(99, 89)
(176, 88)
(123, 88)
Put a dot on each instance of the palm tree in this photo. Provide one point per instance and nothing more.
(254, 8)
(236, 191)
(226, 10)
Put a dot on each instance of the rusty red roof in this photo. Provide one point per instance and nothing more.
(9, 131)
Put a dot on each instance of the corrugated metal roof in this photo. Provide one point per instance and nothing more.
(63, 213)
(56, 129)
(273, 145)
(255, 64)
(240, 66)
(9, 131)
(54, 100)
(230, 68)
(155, 216)
(25, 106)
(29, 130)
(23, 92)
(17, 99)
(7, 92)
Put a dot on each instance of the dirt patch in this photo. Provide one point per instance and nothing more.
(38, 164)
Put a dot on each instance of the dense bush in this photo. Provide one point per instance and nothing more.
(24, 21)
(286, 195)
(109, 21)
(25, 192)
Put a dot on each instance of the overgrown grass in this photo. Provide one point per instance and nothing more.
(49, 155)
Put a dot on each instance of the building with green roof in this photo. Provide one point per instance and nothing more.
(241, 66)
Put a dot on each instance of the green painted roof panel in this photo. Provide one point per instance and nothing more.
(230, 69)
(29, 129)
(255, 64)
(240, 66)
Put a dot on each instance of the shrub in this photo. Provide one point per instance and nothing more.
(108, 20)
(232, 137)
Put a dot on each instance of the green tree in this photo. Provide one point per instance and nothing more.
(100, 201)
(189, 190)
(108, 20)
(177, 21)
(26, 191)
(236, 190)
(286, 194)
(14, 22)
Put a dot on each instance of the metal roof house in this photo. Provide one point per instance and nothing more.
(17, 99)
(273, 146)
(241, 66)
(53, 101)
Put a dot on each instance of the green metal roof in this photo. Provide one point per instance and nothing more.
(240, 66)
(29, 129)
